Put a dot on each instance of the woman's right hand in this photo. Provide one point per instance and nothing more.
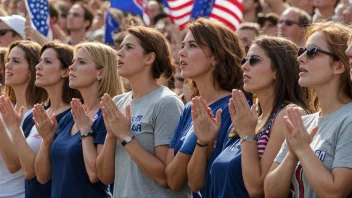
(205, 125)
(46, 127)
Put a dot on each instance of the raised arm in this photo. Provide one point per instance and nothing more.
(90, 150)
(152, 165)
(46, 128)
(254, 168)
(324, 183)
(106, 159)
(206, 128)
(8, 151)
(13, 120)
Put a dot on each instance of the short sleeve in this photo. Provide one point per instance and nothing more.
(282, 153)
(168, 115)
(189, 144)
(176, 135)
(343, 147)
(99, 129)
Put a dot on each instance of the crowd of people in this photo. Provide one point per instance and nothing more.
(207, 111)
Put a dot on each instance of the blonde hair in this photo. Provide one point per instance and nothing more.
(105, 58)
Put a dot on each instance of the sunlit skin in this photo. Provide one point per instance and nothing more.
(49, 72)
(260, 76)
(195, 61)
(319, 70)
(131, 57)
(17, 71)
(83, 71)
(6, 40)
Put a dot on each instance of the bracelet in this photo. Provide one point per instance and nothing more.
(84, 135)
(201, 145)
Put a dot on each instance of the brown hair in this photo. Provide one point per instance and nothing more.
(64, 54)
(34, 94)
(226, 48)
(337, 36)
(152, 40)
(3, 51)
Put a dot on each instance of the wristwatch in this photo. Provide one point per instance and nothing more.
(127, 140)
(84, 135)
(247, 138)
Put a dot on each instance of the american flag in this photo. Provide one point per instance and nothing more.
(38, 11)
(229, 12)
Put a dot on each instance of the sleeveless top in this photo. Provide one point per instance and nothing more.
(263, 137)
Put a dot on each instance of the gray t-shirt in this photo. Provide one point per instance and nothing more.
(153, 122)
(332, 144)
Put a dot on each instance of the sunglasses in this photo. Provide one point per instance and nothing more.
(4, 31)
(252, 60)
(312, 51)
(289, 22)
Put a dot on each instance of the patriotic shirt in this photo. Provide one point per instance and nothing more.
(226, 170)
(332, 144)
(263, 137)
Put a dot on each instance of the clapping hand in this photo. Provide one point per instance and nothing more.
(82, 119)
(244, 119)
(205, 125)
(46, 127)
(11, 117)
(118, 123)
(296, 134)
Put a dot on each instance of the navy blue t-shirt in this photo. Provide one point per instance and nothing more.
(34, 189)
(69, 174)
(185, 138)
(226, 171)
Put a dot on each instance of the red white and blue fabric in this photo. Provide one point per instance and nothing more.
(229, 12)
(138, 7)
(263, 137)
(39, 14)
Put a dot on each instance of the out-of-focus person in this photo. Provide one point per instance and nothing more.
(247, 33)
(292, 25)
(268, 24)
(11, 29)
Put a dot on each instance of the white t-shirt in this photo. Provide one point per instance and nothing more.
(11, 185)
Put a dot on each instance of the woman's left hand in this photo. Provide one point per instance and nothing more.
(119, 124)
(12, 118)
(82, 119)
(244, 119)
(296, 135)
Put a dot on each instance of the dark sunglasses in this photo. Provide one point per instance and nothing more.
(252, 60)
(311, 52)
(289, 22)
(4, 31)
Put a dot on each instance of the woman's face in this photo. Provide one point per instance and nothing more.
(195, 61)
(257, 72)
(83, 71)
(131, 59)
(17, 71)
(317, 70)
(49, 70)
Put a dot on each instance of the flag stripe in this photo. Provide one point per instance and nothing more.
(229, 12)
